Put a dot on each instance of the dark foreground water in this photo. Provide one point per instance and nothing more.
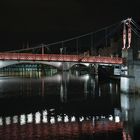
(67, 107)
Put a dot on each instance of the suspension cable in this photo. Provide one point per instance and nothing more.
(135, 32)
(66, 40)
(135, 24)
(98, 43)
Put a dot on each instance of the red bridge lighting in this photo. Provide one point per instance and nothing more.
(60, 57)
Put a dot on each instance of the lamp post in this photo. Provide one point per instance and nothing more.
(43, 46)
(61, 50)
(42, 49)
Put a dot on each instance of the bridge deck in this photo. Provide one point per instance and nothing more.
(60, 57)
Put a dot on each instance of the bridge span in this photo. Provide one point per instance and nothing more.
(56, 60)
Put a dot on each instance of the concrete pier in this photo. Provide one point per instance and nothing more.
(130, 82)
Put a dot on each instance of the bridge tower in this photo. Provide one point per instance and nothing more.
(131, 68)
(127, 51)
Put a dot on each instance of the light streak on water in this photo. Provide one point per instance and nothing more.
(29, 118)
(117, 119)
(66, 118)
(45, 120)
(37, 117)
(1, 121)
(8, 120)
(73, 119)
(81, 119)
(110, 118)
(22, 119)
(15, 119)
(59, 118)
(52, 120)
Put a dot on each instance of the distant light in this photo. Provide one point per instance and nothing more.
(37, 117)
(110, 86)
(8, 120)
(126, 115)
(93, 119)
(66, 118)
(102, 117)
(125, 101)
(1, 121)
(52, 109)
(125, 84)
(52, 120)
(86, 64)
(86, 77)
(73, 119)
(59, 118)
(45, 112)
(117, 119)
(97, 117)
(81, 119)
(87, 118)
(1, 64)
(45, 120)
(22, 119)
(15, 119)
(110, 118)
(30, 118)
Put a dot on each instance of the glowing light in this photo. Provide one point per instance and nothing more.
(52, 109)
(93, 119)
(15, 119)
(52, 120)
(124, 67)
(110, 118)
(8, 120)
(1, 64)
(125, 101)
(66, 119)
(1, 121)
(110, 85)
(37, 117)
(81, 119)
(30, 118)
(117, 119)
(86, 77)
(73, 119)
(124, 84)
(45, 112)
(86, 64)
(59, 118)
(22, 119)
(87, 118)
(102, 117)
(126, 115)
(45, 120)
(97, 117)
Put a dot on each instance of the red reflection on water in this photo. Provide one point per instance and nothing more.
(126, 136)
(59, 130)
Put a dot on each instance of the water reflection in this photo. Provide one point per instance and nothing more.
(63, 84)
(45, 117)
(64, 106)
(130, 104)
(44, 125)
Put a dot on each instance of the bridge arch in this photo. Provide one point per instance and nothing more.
(58, 65)
(3, 64)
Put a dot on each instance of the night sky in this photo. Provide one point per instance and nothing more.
(38, 21)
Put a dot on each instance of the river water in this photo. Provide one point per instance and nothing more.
(67, 106)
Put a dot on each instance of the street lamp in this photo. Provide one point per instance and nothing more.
(61, 50)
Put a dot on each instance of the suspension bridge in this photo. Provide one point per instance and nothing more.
(93, 48)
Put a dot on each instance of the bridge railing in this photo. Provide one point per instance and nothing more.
(60, 57)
